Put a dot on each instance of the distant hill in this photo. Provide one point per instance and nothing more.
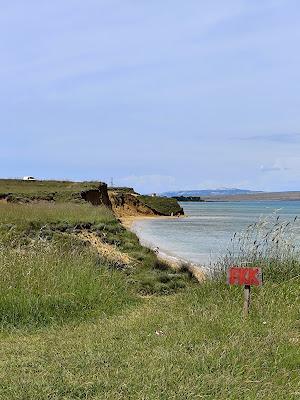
(209, 192)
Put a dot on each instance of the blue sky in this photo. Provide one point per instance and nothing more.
(159, 95)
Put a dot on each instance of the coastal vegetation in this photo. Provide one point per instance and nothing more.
(188, 198)
(57, 260)
(86, 312)
(124, 201)
(164, 205)
(16, 190)
(269, 242)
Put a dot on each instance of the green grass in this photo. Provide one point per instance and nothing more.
(18, 185)
(75, 327)
(48, 275)
(164, 205)
(121, 189)
(206, 350)
(49, 284)
(22, 223)
(41, 214)
(62, 191)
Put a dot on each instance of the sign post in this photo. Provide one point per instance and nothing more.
(247, 277)
(247, 299)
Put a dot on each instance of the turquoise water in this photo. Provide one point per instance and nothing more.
(207, 230)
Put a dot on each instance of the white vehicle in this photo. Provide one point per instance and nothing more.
(29, 178)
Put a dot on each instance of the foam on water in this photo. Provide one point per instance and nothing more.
(206, 231)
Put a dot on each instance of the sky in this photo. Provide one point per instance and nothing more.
(159, 95)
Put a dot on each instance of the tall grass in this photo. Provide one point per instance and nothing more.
(48, 275)
(20, 224)
(52, 213)
(269, 243)
(46, 281)
(52, 284)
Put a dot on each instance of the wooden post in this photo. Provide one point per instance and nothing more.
(247, 298)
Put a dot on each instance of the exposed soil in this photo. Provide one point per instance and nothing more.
(108, 251)
(129, 205)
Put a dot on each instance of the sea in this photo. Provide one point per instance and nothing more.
(205, 232)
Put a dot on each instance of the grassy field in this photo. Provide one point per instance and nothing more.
(48, 186)
(185, 346)
(47, 190)
(73, 325)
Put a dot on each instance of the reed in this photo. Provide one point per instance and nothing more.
(270, 243)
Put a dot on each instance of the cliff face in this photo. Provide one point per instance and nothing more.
(124, 202)
(97, 196)
(127, 205)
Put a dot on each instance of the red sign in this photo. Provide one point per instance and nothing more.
(244, 276)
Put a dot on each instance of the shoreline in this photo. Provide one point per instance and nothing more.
(128, 222)
(174, 262)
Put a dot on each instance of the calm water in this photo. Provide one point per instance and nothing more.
(206, 231)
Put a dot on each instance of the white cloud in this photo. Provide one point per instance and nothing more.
(272, 168)
(279, 165)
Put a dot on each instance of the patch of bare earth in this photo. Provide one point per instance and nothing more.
(108, 251)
